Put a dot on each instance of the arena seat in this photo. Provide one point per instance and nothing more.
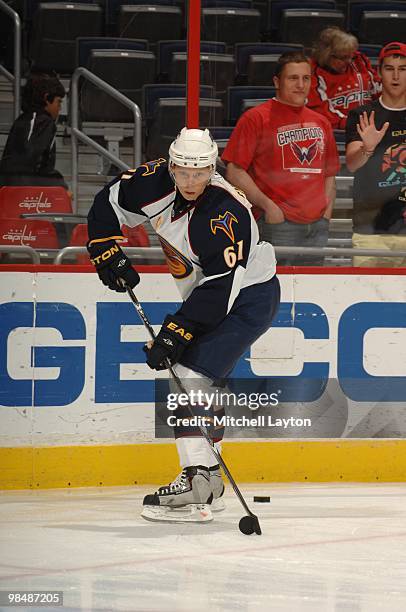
(221, 134)
(112, 7)
(151, 22)
(231, 25)
(261, 69)
(243, 51)
(356, 8)
(134, 236)
(217, 69)
(238, 93)
(37, 234)
(85, 45)
(55, 28)
(127, 71)
(303, 25)
(16, 201)
(152, 92)
(245, 4)
(166, 48)
(382, 27)
(372, 51)
(278, 6)
(169, 118)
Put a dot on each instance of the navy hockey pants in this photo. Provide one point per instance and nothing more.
(215, 353)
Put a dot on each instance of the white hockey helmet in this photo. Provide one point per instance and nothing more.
(193, 148)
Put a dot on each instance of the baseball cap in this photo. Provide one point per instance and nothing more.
(393, 48)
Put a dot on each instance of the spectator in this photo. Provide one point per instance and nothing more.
(376, 152)
(284, 157)
(29, 154)
(342, 77)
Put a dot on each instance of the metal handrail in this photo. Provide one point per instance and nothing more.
(77, 134)
(156, 252)
(131, 252)
(21, 248)
(16, 78)
(288, 250)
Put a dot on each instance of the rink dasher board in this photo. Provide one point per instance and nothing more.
(81, 440)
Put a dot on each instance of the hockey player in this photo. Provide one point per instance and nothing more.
(226, 279)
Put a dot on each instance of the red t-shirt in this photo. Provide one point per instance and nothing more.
(288, 151)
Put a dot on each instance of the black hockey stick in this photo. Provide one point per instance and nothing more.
(250, 523)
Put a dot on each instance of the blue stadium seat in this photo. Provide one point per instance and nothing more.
(113, 7)
(372, 52)
(56, 26)
(127, 71)
(357, 7)
(382, 27)
(236, 95)
(244, 50)
(261, 69)
(230, 25)
(216, 69)
(369, 50)
(277, 7)
(154, 91)
(150, 21)
(303, 25)
(169, 118)
(245, 4)
(166, 48)
(221, 132)
(85, 45)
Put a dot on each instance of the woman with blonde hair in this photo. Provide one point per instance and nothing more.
(342, 77)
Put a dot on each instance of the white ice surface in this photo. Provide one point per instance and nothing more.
(324, 548)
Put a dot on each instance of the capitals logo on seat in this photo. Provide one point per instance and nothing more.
(224, 223)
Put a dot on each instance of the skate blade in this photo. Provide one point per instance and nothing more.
(218, 505)
(192, 513)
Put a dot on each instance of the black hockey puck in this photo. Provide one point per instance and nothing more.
(262, 499)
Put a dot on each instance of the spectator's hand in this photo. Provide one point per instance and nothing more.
(274, 215)
(370, 136)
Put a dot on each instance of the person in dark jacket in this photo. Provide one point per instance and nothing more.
(29, 154)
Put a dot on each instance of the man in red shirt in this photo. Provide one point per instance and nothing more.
(284, 157)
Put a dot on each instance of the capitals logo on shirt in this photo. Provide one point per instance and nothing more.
(224, 223)
(302, 148)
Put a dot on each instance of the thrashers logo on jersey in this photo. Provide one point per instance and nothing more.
(179, 266)
(302, 148)
(151, 166)
(224, 223)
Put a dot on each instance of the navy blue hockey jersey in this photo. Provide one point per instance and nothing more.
(211, 244)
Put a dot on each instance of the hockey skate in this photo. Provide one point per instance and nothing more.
(185, 500)
(217, 488)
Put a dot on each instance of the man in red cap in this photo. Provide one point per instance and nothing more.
(376, 152)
